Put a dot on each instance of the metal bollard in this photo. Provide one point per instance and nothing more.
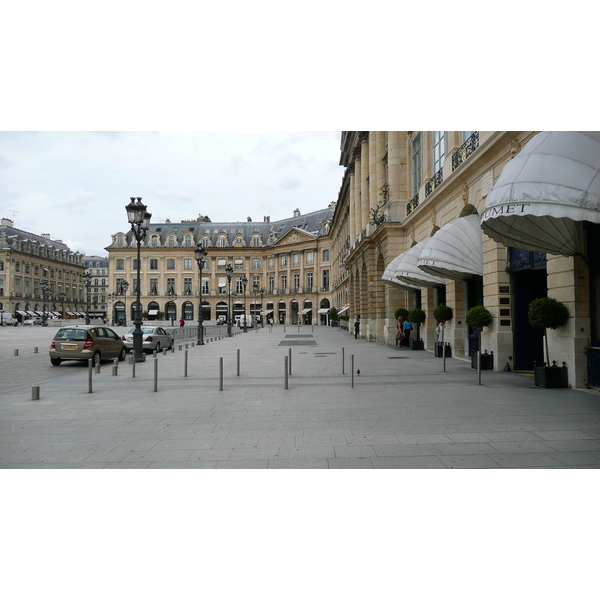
(16, 353)
(221, 374)
(185, 364)
(180, 347)
(164, 351)
(290, 360)
(156, 374)
(90, 365)
(238, 362)
(172, 348)
(154, 353)
(352, 369)
(115, 370)
(97, 369)
(35, 350)
(133, 366)
(285, 373)
(343, 361)
(35, 392)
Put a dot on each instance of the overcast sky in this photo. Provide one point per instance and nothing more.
(75, 185)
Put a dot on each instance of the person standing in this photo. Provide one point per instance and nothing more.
(356, 328)
(400, 332)
(407, 330)
(181, 322)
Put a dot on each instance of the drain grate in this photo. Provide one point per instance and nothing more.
(396, 357)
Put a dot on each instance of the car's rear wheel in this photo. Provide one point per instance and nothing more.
(96, 358)
(157, 347)
(122, 354)
(56, 361)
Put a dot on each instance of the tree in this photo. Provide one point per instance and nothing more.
(442, 313)
(417, 316)
(401, 312)
(548, 313)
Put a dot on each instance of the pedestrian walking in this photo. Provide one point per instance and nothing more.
(181, 322)
(356, 328)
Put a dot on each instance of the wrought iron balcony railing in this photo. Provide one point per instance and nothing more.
(459, 157)
(434, 182)
(412, 204)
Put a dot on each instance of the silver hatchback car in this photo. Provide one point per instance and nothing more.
(153, 338)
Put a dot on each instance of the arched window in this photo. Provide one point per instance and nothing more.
(188, 241)
(154, 241)
(222, 241)
(205, 241)
(121, 241)
(171, 241)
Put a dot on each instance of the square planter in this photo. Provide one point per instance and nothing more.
(487, 361)
(551, 377)
(439, 350)
(417, 345)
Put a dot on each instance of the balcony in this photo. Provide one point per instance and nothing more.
(434, 182)
(461, 155)
(412, 205)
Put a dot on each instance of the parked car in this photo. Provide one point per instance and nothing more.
(82, 342)
(153, 338)
(8, 319)
(221, 320)
(33, 321)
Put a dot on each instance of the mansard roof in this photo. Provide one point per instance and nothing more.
(310, 223)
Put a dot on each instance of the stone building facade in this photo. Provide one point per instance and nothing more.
(39, 275)
(399, 190)
(96, 268)
(287, 265)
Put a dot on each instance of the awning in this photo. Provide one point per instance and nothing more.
(342, 310)
(305, 311)
(454, 252)
(71, 313)
(23, 313)
(544, 194)
(389, 276)
(408, 271)
(154, 311)
(266, 312)
(323, 311)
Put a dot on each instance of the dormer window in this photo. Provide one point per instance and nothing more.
(222, 241)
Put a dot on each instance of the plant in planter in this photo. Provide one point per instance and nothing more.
(480, 317)
(333, 316)
(442, 314)
(401, 312)
(417, 316)
(549, 313)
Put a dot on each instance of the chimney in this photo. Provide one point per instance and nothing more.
(296, 213)
(46, 236)
(267, 219)
(7, 222)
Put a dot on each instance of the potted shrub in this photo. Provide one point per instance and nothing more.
(344, 322)
(417, 316)
(401, 312)
(333, 316)
(480, 317)
(442, 314)
(549, 313)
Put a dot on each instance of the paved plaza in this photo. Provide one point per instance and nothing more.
(404, 411)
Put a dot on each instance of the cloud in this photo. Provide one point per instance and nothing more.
(288, 183)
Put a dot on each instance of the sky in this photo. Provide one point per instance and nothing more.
(75, 185)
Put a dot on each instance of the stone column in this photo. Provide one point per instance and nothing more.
(352, 207)
(363, 136)
(358, 222)
(394, 175)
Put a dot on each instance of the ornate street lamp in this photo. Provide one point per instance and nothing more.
(124, 288)
(229, 273)
(245, 283)
(139, 219)
(62, 297)
(45, 294)
(200, 253)
(172, 296)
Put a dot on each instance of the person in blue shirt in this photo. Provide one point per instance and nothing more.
(407, 330)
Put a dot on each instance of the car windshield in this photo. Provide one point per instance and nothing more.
(144, 330)
(72, 334)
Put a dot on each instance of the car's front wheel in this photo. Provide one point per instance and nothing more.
(122, 354)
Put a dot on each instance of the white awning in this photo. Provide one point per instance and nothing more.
(266, 312)
(305, 311)
(23, 313)
(323, 311)
(389, 276)
(544, 194)
(154, 311)
(408, 271)
(343, 310)
(454, 252)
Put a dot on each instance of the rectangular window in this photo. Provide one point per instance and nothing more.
(135, 264)
(256, 263)
(153, 286)
(170, 264)
(309, 280)
(187, 264)
(135, 285)
(17, 267)
(296, 260)
(221, 264)
(239, 286)
(205, 285)
(170, 285)
(326, 280)
(154, 264)
(283, 283)
(310, 258)
(271, 283)
(271, 263)
(325, 255)
(17, 287)
(120, 266)
(416, 164)
(439, 150)
(284, 261)
(239, 264)
(2, 286)
(222, 284)
(256, 282)
(2, 265)
(187, 286)
(296, 281)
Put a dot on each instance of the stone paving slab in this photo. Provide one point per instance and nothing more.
(400, 414)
